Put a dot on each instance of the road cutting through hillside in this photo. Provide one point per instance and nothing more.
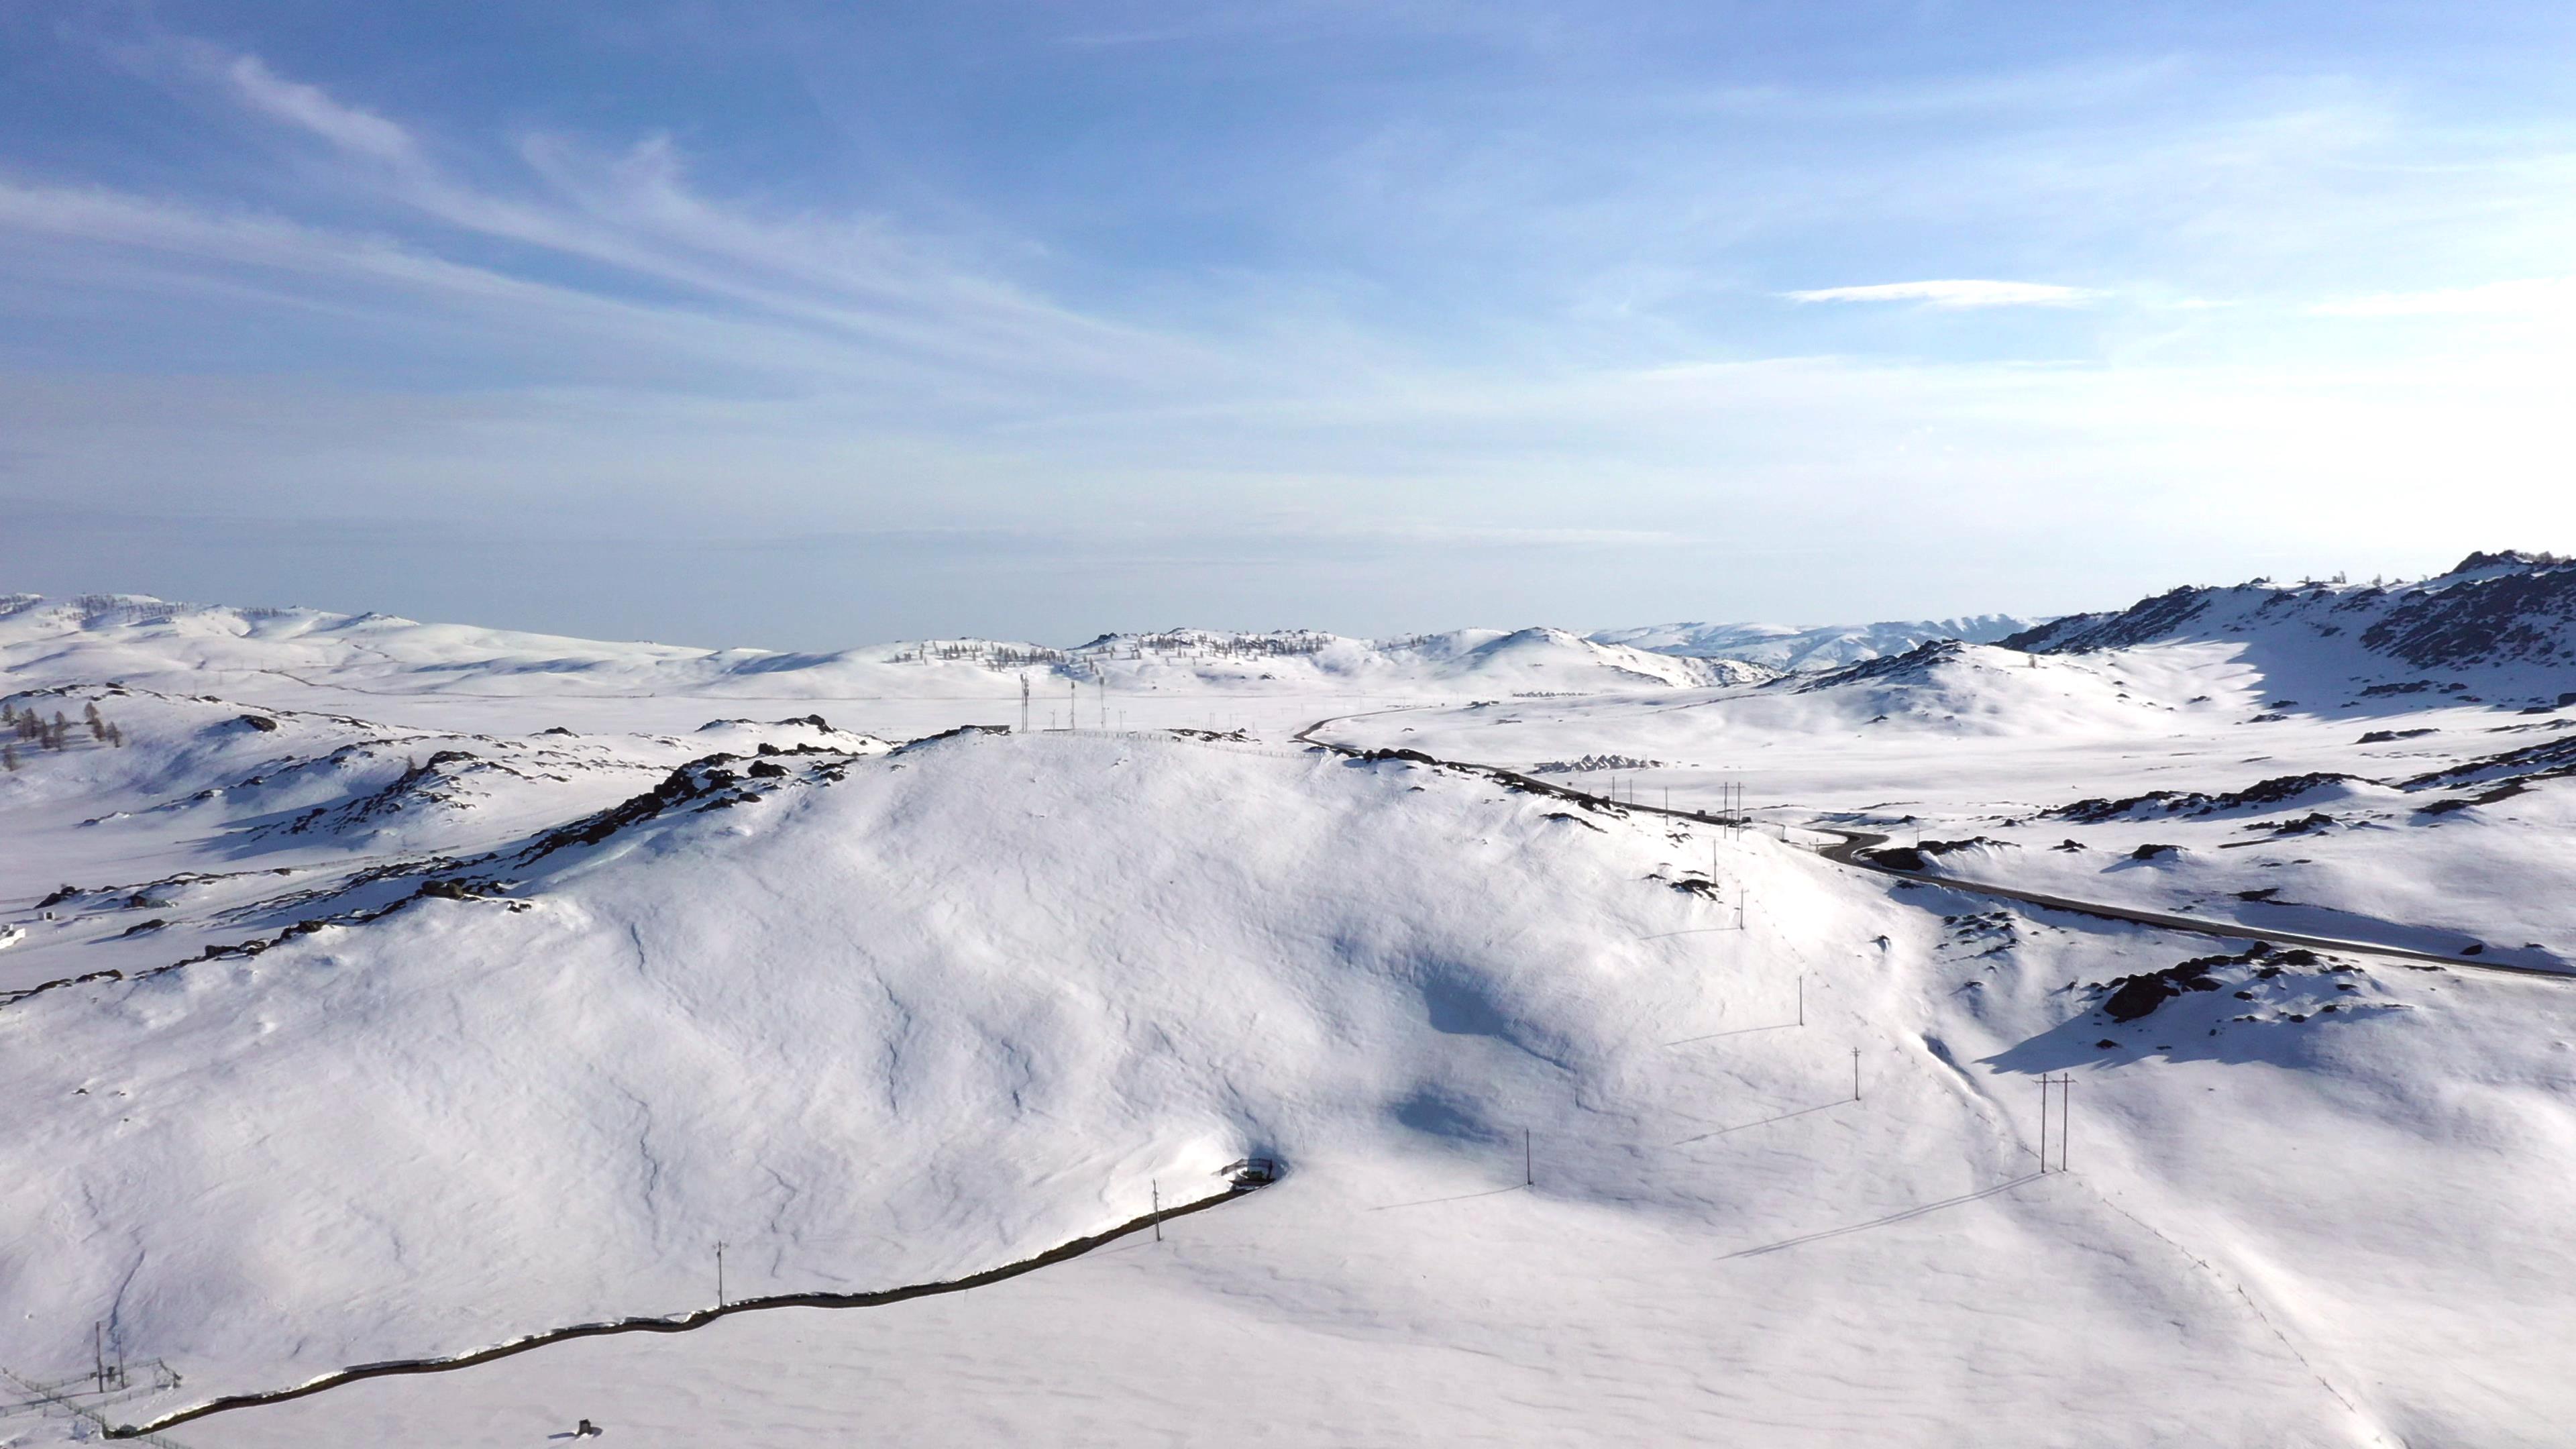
(1854, 843)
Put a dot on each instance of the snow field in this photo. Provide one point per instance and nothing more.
(837, 1028)
(884, 1018)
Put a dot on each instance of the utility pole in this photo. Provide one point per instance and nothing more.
(2043, 1122)
(1024, 701)
(1802, 998)
(720, 1296)
(1158, 1207)
(98, 1350)
(1072, 704)
(1855, 1074)
(2065, 1115)
(1529, 1164)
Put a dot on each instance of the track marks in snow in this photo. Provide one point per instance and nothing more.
(650, 1162)
(2230, 1286)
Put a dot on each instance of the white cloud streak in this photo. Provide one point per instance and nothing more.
(353, 130)
(1961, 293)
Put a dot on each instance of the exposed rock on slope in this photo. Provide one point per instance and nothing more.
(2494, 612)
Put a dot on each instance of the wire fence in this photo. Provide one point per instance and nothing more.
(64, 1397)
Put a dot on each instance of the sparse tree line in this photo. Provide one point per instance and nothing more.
(32, 728)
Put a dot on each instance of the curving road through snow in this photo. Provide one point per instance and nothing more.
(1850, 852)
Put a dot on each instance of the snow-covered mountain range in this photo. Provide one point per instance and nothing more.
(1822, 646)
(373, 990)
(2500, 622)
(141, 639)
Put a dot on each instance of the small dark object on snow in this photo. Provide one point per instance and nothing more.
(2150, 852)
(259, 722)
(2265, 894)
(2068, 845)
(1251, 1172)
(2107, 1044)
(2473, 950)
(587, 1430)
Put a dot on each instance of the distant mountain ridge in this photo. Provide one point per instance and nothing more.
(98, 637)
(1816, 646)
(2493, 608)
(2503, 622)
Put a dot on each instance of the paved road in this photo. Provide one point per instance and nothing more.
(1854, 842)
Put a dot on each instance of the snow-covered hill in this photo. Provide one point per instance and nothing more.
(1820, 646)
(2439, 820)
(209, 824)
(332, 1040)
(883, 1018)
(258, 652)
(2499, 626)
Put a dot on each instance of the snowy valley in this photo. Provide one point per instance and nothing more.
(1548, 1037)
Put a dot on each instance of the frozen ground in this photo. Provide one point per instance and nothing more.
(874, 1016)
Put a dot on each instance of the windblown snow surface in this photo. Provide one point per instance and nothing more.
(519, 1036)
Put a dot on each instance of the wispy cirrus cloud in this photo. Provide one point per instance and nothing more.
(311, 108)
(1958, 293)
(611, 249)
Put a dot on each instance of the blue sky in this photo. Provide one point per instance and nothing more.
(808, 324)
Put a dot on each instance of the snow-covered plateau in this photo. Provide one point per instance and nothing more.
(376, 993)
